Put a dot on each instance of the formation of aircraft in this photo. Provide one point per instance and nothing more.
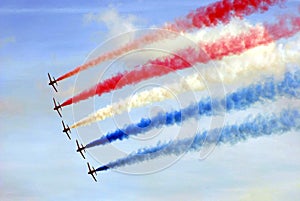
(66, 128)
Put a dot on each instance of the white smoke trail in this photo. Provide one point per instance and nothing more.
(262, 59)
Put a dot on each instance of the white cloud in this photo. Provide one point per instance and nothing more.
(113, 20)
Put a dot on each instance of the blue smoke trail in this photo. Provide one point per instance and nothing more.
(286, 121)
(239, 100)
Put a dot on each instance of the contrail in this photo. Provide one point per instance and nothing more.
(286, 121)
(286, 27)
(211, 15)
(257, 60)
(239, 100)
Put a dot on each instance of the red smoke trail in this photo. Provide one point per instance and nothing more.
(211, 15)
(226, 46)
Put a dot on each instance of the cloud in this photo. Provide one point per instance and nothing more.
(7, 40)
(113, 20)
(263, 194)
(10, 106)
(12, 190)
(65, 10)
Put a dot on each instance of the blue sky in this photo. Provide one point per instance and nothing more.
(37, 162)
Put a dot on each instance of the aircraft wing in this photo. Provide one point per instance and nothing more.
(54, 88)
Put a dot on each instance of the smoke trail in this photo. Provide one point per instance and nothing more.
(226, 46)
(235, 27)
(239, 100)
(211, 15)
(262, 58)
(286, 121)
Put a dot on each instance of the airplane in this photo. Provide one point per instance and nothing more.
(52, 82)
(66, 129)
(92, 171)
(80, 149)
(57, 107)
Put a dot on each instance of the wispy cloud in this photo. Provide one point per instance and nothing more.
(10, 106)
(265, 194)
(113, 20)
(7, 40)
(44, 10)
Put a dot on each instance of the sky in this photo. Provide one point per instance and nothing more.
(38, 162)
